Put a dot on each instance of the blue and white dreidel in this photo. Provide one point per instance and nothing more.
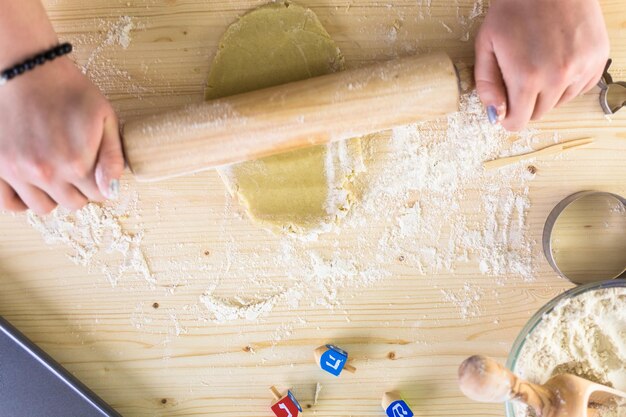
(395, 406)
(333, 359)
(285, 405)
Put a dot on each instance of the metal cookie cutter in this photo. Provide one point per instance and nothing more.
(584, 238)
(612, 94)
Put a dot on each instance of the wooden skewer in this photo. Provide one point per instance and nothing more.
(276, 393)
(349, 368)
(550, 150)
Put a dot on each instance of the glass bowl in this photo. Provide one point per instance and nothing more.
(536, 319)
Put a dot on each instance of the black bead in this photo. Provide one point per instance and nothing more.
(39, 59)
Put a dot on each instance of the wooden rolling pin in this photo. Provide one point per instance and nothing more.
(286, 117)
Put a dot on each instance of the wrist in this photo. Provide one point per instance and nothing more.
(35, 61)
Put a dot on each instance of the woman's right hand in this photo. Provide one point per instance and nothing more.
(533, 55)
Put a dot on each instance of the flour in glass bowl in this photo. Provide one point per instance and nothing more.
(584, 335)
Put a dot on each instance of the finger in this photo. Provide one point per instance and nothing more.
(37, 200)
(9, 200)
(489, 82)
(88, 187)
(570, 93)
(580, 88)
(546, 101)
(59, 191)
(522, 101)
(595, 79)
(67, 196)
(110, 163)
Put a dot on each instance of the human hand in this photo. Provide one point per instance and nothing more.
(59, 141)
(533, 55)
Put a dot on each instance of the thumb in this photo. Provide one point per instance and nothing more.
(110, 163)
(489, 82)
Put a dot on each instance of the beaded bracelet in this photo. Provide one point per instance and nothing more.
(39, 59)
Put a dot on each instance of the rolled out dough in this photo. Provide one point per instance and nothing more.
(304, 190)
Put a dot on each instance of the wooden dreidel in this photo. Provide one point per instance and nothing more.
(483, 379)
(395, 406)
(285, 405)
(333, 359)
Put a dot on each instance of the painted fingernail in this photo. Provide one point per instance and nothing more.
(492, 114)
(114, 189)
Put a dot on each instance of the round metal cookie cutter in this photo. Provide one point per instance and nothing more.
(549, 228)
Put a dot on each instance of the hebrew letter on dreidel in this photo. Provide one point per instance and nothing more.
(285, 406)
(333, 359)
(337, 363)
(399, 410)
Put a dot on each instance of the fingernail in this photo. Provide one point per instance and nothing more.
(114, 190)
(492, 114)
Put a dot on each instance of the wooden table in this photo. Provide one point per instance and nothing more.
(163, 361)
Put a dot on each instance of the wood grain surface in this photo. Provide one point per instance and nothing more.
(399, 333)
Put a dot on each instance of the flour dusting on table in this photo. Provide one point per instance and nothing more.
(466, 299)
(411, 209)
(100, 54)
(416, 193)
(432, 172)
(118, 33)
(94, 233)
(430, 169)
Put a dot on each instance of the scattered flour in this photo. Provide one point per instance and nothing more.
(118, 33)
(430, 169)
(425, 170)
(231, 309)
(101, 54)
(440, 168)
(415, 175)
(315, 277)
(468, 24)
(178, 328)
(584, 335)
(466, 300)
(91, 234)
